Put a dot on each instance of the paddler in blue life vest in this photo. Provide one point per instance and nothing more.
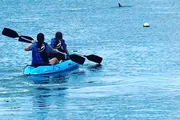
(41, 52)
(58, 43)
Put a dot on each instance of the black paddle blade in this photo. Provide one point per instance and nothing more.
(10, 33)
(26, 39)
(77, 58)
(94, 58)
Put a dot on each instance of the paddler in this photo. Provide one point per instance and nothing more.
(58, 43)
(41, 52)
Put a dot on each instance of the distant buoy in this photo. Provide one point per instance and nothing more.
(146, 25)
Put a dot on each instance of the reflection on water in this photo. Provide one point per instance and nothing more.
(46, 98)
(95, 67)
(48, 79)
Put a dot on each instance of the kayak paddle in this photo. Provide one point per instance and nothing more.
(77, 58)
(94, 58)
(13, 34)
(26, 39)
(74, 57)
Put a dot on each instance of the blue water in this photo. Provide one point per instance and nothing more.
(139, 76)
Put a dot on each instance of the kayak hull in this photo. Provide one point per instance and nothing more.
(50, 69)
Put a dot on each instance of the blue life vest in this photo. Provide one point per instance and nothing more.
(60, 45)
(40, 56)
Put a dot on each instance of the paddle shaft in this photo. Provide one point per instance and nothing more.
(13, 34)
(27, 39)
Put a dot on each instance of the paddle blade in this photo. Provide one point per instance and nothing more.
(26, 39)
(94, 58)
(77, 58)
(10, 33)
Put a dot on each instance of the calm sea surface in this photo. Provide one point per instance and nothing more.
(139, 78)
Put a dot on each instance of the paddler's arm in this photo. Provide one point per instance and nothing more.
(67, 51)
(57, 53)
(65, 47)
(28, 47)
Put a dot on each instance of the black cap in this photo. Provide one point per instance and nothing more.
(58, 35)
(40, 38)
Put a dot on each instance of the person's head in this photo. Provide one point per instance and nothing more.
(58, 35)
(40, 38)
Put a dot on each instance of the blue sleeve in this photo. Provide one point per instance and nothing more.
(31, 47)
(53, 43)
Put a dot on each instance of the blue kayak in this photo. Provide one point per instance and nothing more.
(50, 69)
